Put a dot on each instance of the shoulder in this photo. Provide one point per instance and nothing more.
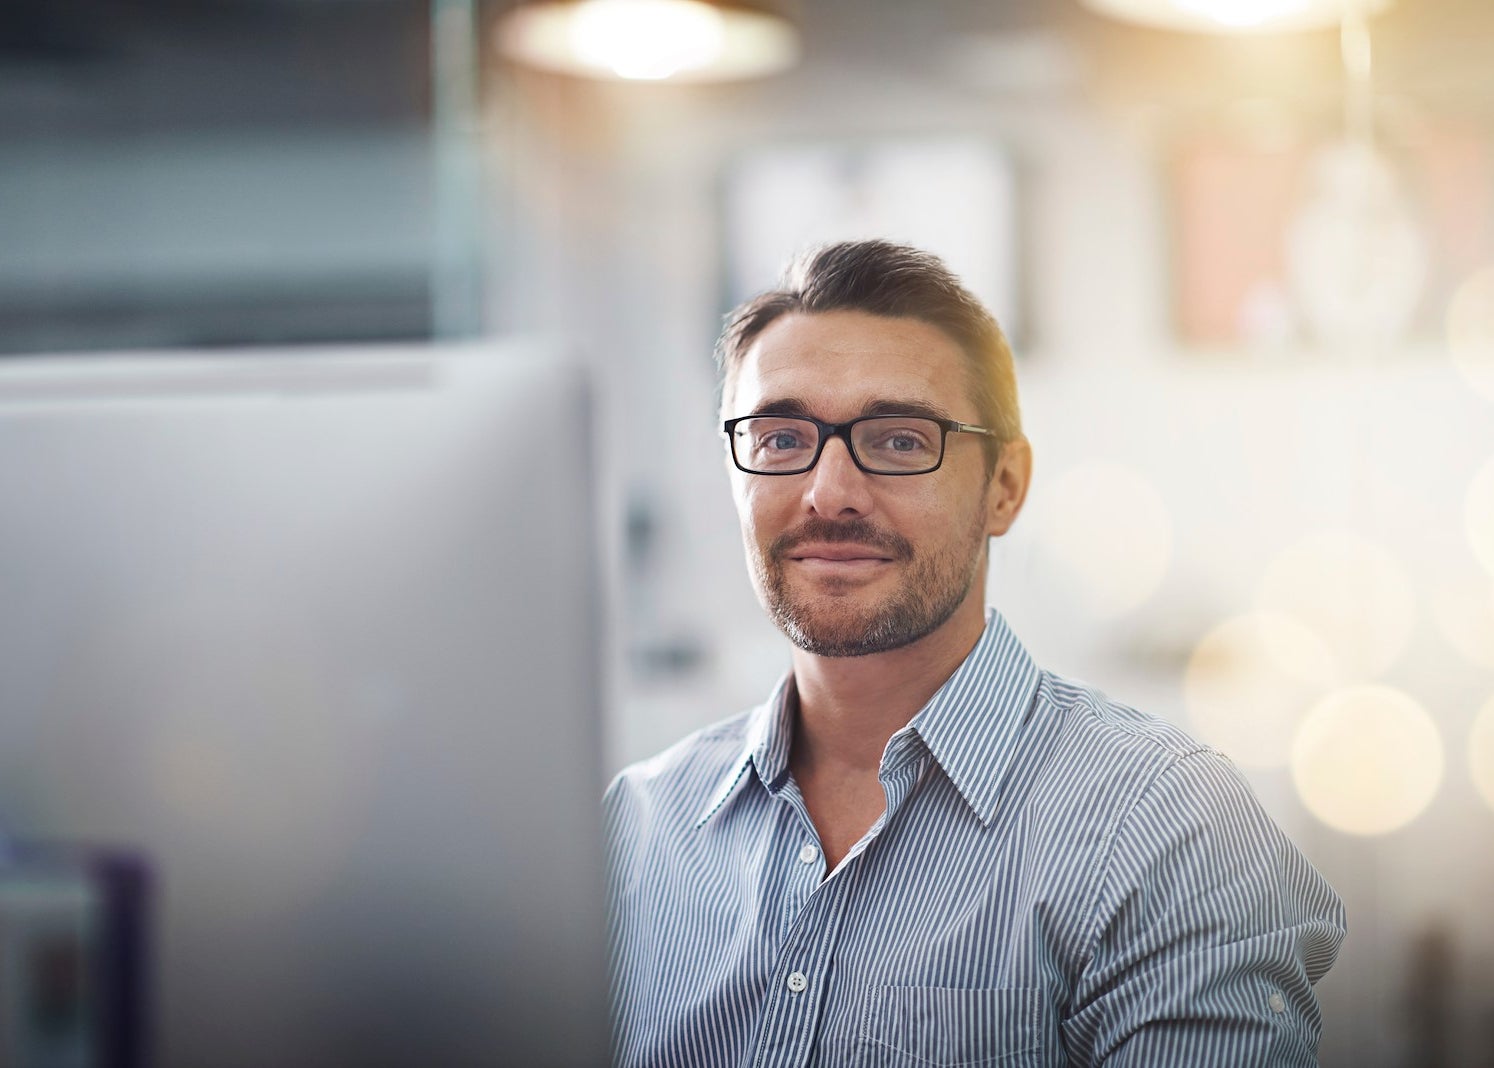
(1172, 811)
(1101, 752)
(1157, 759)
(652, 807)
(1094, 721)
(684, 775)
(1128, 787)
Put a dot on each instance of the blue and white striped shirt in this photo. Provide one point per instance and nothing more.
(1057, 879)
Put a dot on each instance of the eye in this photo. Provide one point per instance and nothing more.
(778, 436)
(780, 439)
(901, 439)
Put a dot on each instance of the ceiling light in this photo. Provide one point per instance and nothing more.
(1235, 16)
(650, 40)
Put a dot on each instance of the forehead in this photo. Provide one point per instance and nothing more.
(838, 362)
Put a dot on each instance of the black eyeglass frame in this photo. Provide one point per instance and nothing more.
(843, 431)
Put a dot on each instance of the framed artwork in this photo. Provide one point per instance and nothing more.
(1292, 239)
(955, 197)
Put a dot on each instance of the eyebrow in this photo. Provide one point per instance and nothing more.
(793, 406)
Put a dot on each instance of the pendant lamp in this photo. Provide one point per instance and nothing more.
(1234, 16)
(651, 40)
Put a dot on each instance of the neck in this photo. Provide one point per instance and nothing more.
(850, 706)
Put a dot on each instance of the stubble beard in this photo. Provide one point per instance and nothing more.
(828, 624)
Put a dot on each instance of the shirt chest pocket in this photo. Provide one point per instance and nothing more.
(926, 1025)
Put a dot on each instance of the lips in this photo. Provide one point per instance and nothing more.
(839, 553)
(840, 547)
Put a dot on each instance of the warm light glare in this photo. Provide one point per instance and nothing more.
(648, 40)
(1348, 590)
(1357, 51)
(1478, 516)
(1481, 752)
(1470, 331)
(1110, 533)
(1465, 616)
(1367, 760)
(1242, 13)
(1233, 16)
(1249, 683)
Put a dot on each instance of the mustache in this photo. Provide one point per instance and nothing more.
(857, 531)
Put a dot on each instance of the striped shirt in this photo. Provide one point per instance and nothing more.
(1057, 879)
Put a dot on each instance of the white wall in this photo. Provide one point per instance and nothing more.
(605, 209)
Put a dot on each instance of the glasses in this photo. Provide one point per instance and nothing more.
(879, 444)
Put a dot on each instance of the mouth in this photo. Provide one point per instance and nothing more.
(839, 557)
(837, 554)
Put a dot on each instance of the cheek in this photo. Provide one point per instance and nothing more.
(922, 500)
(748, 497)
(934, 510)
(764, 507)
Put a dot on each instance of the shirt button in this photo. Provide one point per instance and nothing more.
(1277, 1002)
(797, 982)
(808, 854)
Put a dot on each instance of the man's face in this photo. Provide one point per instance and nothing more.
(848, 563)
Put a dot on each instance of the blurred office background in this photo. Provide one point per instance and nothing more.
(1245, 251)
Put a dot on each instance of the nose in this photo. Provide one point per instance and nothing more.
(837, 488)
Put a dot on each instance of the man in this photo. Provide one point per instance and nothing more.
(923, 850)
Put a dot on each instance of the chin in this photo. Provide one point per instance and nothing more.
(849, 630)
(857, 617)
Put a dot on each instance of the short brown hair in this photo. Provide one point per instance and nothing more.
(897, 281)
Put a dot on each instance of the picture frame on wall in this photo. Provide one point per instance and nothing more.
(956, 197)
(1306, 238)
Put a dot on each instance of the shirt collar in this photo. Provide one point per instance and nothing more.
(770, 732)
(970, 725)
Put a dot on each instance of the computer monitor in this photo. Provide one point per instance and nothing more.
(314, 635)
(74, 923)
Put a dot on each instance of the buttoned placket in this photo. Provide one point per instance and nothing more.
(814, 908)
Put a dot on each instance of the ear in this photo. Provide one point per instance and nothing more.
(1008, 486)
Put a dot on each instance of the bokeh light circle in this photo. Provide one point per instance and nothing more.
(1251, 680)
(1367, 760)
(1478, 516)
(1465, 615)
(1110, 532)
(1481, 752)
(1470, 331)
(1348, 590)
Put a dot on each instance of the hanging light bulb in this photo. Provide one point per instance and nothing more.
(1356, 257)
(650, 40)
(646, 40)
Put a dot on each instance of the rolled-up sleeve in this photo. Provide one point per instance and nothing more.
(1208, 932)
